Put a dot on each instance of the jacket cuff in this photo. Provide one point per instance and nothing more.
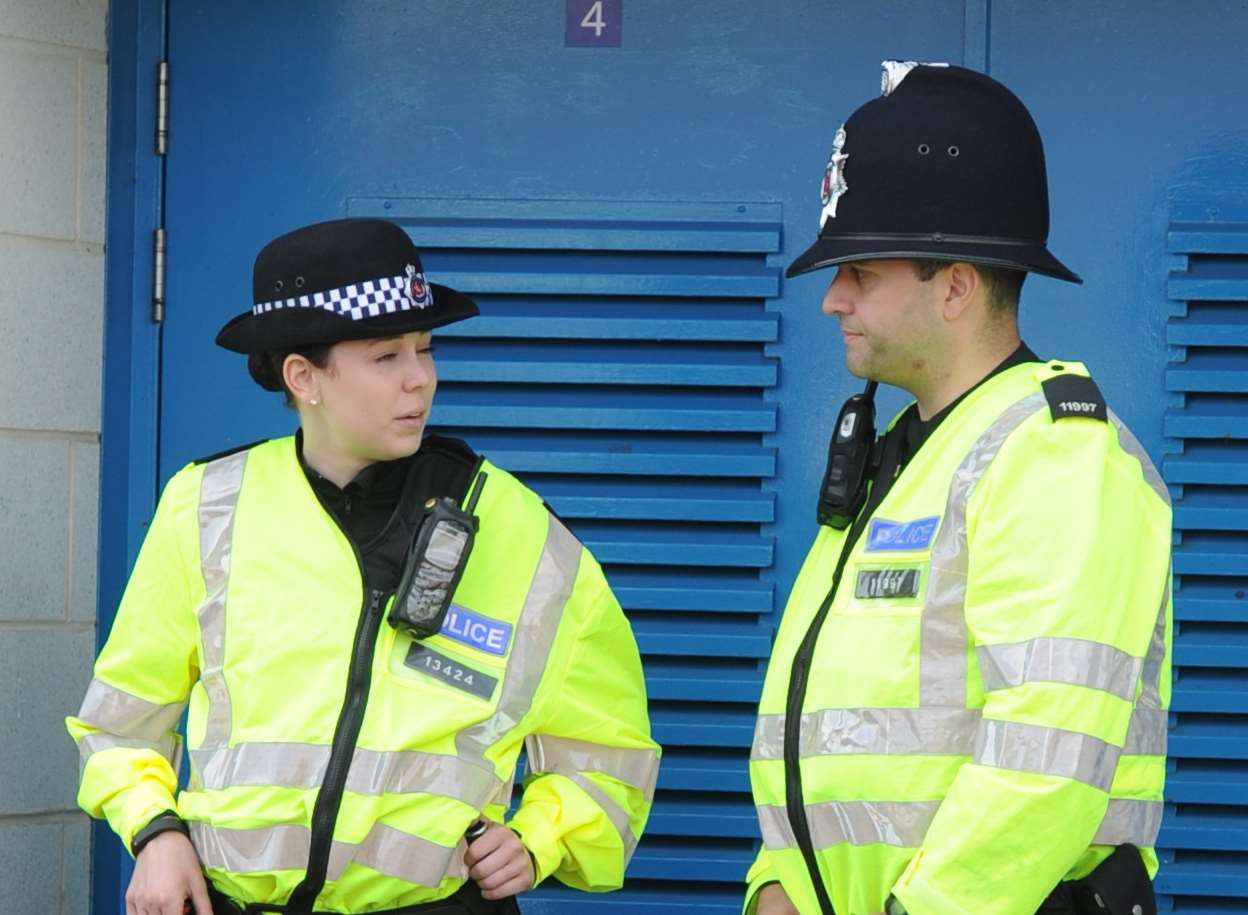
(163, 822)
(751, 896)
(539, 841)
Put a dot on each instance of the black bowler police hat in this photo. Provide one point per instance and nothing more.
(348, 279)
(947, 164)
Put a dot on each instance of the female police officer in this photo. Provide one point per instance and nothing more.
(348, 723)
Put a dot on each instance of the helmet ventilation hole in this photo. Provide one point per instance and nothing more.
(954, 152)
(278, 286)
(298, 282)
(924, 149)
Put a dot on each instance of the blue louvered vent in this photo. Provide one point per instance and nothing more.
(622, 367)
(1205, 832)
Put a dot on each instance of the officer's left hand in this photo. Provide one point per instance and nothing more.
(499, 862)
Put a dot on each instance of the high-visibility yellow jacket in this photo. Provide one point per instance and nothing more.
(985, 710)
(248, 599)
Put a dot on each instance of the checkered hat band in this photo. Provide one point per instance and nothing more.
(370, 299)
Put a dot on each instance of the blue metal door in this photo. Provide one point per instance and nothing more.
(623, 214)
(620, 213)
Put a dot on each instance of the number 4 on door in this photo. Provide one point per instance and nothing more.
(593, 19)
(593, 23)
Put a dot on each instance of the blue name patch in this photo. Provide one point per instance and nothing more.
(883, 534)
(462, 625)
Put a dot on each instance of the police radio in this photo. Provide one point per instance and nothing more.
(844, 487)
(434, 565)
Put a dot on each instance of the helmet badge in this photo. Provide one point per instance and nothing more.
(417, 288)
(894, 71)
(834, 178)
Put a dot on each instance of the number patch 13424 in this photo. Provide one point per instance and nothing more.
(449, 671)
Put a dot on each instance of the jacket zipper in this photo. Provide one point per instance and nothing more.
(794, 801)
(799, 679)
(346, 732)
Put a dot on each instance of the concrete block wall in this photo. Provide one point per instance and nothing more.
(53, 101)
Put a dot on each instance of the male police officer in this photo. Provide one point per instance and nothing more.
(965, 708)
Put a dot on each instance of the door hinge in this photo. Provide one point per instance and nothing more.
(162, 108)
(158, 276)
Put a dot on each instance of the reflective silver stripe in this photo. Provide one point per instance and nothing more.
(170, 747)
(1047, 751)
(1150, 695)
(1131, 445)
(535, 636)
(615, 813)
(127, 721)
(288, 765)
(637, 767)
(898, 823)
(218, 499)
(398, 854)
(275, 848)
(118, 712)
(249, 851)
(943, 638)
(906, 731)
(1146, 735)
(1130, 821)
(372, 772)
(413, 771)
(1078, 662)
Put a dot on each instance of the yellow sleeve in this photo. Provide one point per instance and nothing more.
(1068, 564)
(127, 727)
(593, 765)
(761, 873)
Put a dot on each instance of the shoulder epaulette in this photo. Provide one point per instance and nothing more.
(1074, 396)
(228, 451)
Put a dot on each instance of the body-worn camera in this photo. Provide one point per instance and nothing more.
(435, 563)
(844, 486)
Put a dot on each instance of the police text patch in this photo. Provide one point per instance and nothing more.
(481, 632)
(880, 583)
(883, 534)
(449, 671)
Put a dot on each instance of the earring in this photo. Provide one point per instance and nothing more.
(314, 401)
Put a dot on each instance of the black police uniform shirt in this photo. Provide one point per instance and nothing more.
(380, 509)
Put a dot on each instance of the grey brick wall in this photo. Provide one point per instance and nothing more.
(53, 103)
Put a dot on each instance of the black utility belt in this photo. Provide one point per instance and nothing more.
(1118, 886)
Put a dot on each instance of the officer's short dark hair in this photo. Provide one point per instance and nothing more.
(266, 367)
(1002, 285)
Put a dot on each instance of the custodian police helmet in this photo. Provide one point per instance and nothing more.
(946, 164)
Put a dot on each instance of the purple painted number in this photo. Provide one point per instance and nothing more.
(593, 24)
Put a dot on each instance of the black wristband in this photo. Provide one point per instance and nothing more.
(162, 822)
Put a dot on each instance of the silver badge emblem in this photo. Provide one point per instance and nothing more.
(834, 178)
(894, 71)
(417, 290)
